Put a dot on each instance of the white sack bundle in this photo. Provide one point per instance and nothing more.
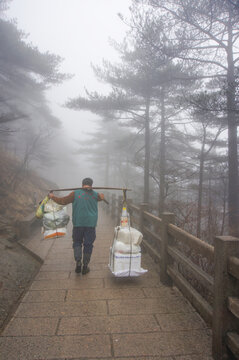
(123, 248)
(128, 235)
(54, 220)
(52, 206)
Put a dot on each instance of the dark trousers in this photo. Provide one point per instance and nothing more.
(83, 236)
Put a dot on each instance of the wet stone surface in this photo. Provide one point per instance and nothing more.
(96, 316)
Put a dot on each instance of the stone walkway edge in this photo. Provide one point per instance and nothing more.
(97, 316)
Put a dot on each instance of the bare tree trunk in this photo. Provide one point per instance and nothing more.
(224, 207)
(203, 155)
(209, 221)
(233, 206)
(200, 188)
(162, 161)
(147, 151)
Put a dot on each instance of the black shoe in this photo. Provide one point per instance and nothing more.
(78, 268)
(85, 270)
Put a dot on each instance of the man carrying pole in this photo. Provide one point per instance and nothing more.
(84, 218)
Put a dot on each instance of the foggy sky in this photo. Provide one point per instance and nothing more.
(78, 31)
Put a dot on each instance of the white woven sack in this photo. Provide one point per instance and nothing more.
(123, 248)
(128, 236)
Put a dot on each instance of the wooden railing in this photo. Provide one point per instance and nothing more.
(166, 243)
(231, 298)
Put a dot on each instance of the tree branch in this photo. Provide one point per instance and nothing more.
(196, 26)
(202, 61)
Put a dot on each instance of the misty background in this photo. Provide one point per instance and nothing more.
(135, 93)
(79, 33)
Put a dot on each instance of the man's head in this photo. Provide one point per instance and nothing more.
(87, 182)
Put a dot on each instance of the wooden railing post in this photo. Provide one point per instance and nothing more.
(224, 286)
(143, 207)
(167, 218)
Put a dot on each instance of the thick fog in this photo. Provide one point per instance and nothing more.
(136, 93)
(79, 32)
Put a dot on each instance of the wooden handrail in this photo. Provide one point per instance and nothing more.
(153, 218)
(233, 266)
(151, 250)
(192, 241)
(232, 340)
(133, 207)
(221, 286)
(202, 306)
(200, 275)
(152, 234)
(233, 306)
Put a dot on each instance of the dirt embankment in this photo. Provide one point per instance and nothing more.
(20, 189)
(20, 192)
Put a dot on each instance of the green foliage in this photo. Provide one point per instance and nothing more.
(25, 72)
(175, 87)
(116, 100)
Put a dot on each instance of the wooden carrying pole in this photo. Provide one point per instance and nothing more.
(93, 188)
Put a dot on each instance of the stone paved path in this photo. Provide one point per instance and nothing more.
(97, 316)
